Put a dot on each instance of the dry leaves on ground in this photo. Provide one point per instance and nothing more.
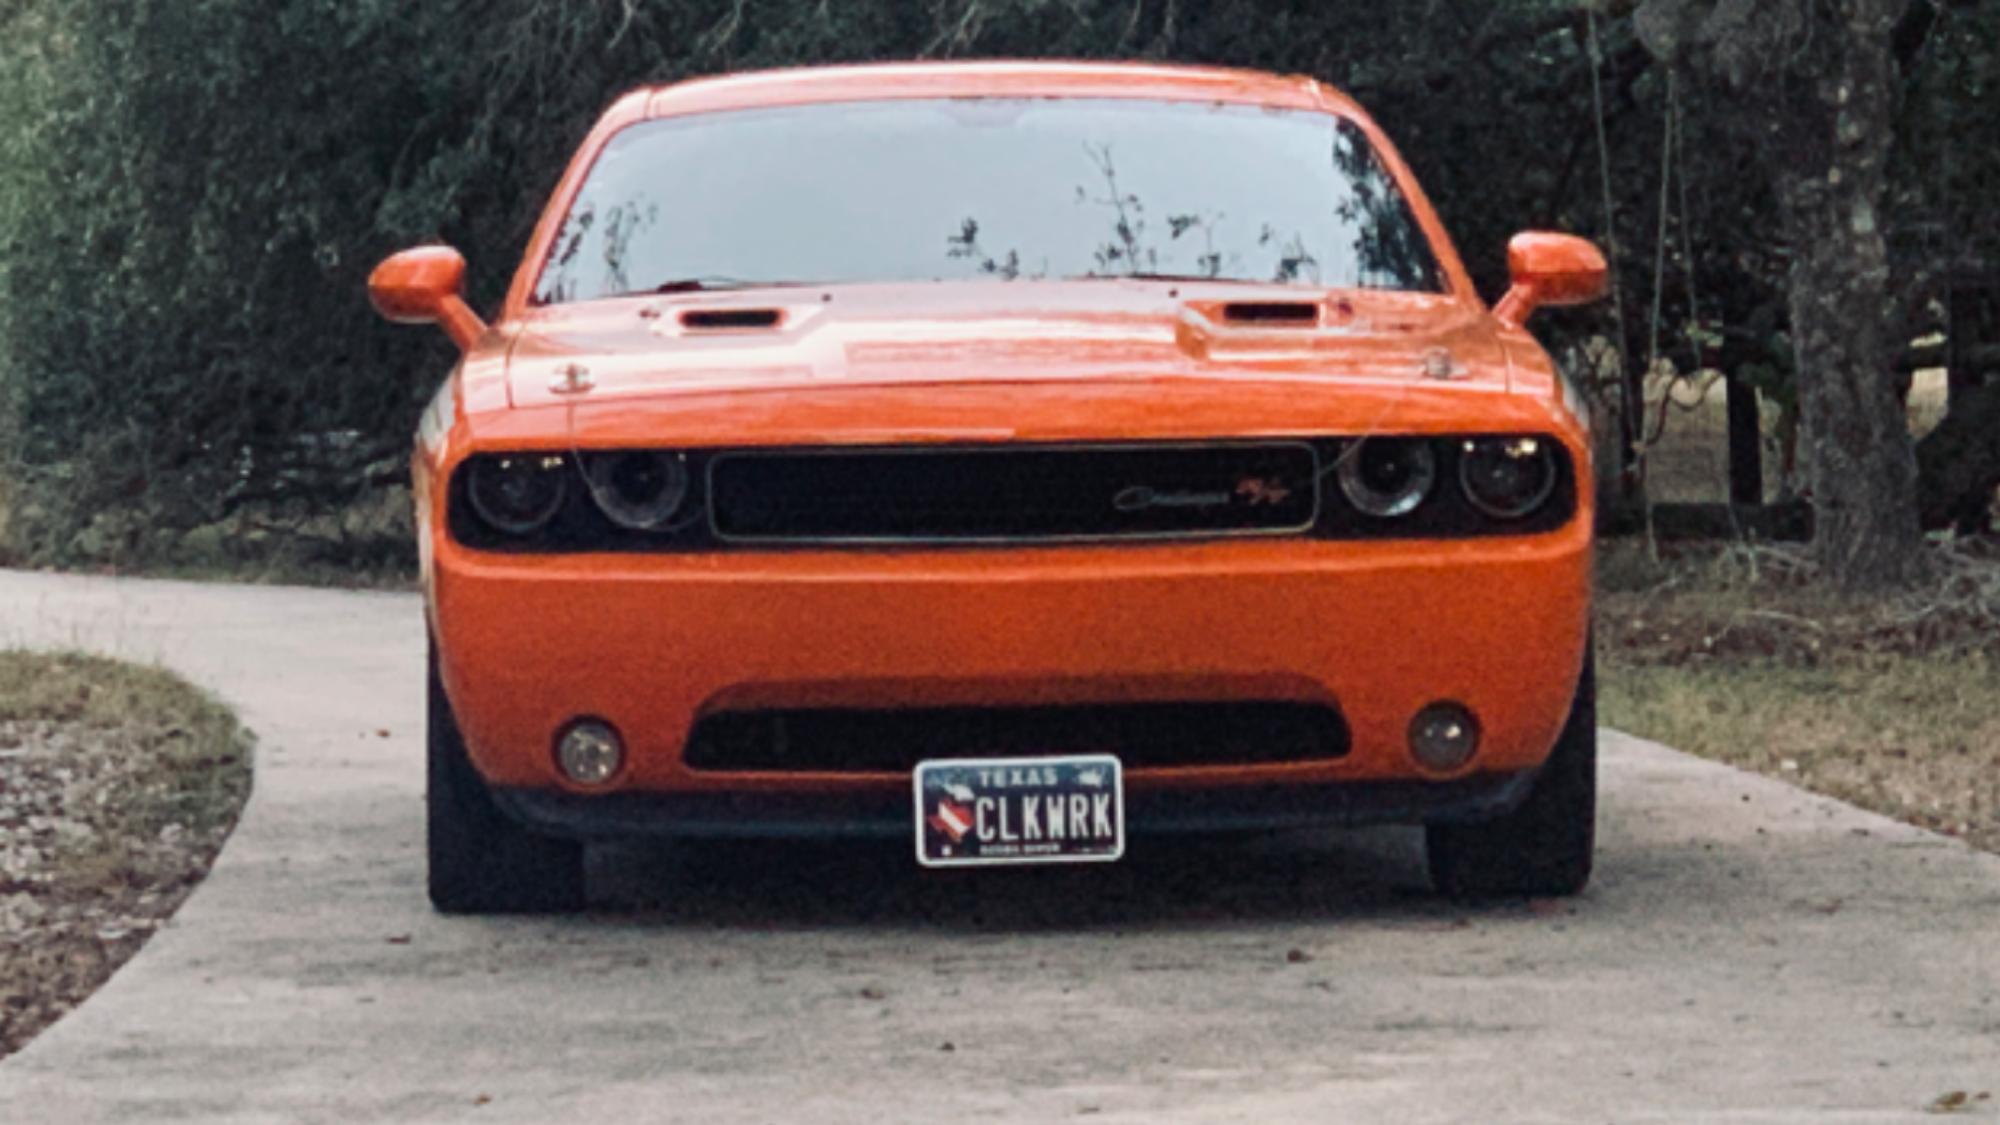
(117, 787)
(1888, 704)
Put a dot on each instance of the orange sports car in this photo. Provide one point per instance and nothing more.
(1008, 457)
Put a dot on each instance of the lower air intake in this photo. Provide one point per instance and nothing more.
(1142, 736)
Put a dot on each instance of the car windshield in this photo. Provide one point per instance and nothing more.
(987, 188)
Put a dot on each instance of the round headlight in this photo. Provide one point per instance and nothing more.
(1388, 476)
(1507, 477)
(639, 489)
(517, 493)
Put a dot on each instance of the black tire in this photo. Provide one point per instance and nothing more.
(481, 861)
(1542, 847)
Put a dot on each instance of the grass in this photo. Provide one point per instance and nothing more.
(1918, 740)
(1889, 705)
(181, 757)
(1728, 652)
(118, 785)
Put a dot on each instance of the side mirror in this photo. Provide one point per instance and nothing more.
(1550, 269)
(426, 286)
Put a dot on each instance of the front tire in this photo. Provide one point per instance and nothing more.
(481, 861)
(1541, 848)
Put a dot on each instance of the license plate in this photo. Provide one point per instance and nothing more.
(1020, 810)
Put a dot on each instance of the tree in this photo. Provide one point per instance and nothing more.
(192, 192)
(1817, 86)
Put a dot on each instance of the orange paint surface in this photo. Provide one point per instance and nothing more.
(1551, 269)
(652, 643)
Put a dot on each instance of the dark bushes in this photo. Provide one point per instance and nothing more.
(193, 191)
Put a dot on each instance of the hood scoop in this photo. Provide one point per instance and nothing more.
(1272, 314)
(730, 320)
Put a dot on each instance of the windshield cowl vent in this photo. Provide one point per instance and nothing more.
(1272, 314)
(730, 320)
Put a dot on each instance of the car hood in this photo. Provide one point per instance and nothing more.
(1098, 332)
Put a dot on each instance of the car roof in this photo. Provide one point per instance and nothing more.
(990, 79)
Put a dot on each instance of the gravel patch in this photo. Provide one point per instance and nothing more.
(106, 826)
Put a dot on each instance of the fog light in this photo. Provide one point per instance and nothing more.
(589, 752)
(1443, 737)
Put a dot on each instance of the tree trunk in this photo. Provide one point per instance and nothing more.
(1828, 166)
(1816, 87)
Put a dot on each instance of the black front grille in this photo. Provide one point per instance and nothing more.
(944, 496)
(1141, 735)
(958, 494)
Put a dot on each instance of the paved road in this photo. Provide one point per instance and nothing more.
(1749, 953)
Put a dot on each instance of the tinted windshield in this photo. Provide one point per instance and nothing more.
(971, 188)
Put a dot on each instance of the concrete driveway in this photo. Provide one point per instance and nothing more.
(1748, 953)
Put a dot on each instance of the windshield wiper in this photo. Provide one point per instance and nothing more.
(717, 284)
(1200, 277)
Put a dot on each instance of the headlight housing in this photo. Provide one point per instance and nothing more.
(637, 489)
(517, 493)
(1387, 477)
(1445, 486)
(1507, 478)
(1379, 486)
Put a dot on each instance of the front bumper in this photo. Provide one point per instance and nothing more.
(653, 643)
(888, 815)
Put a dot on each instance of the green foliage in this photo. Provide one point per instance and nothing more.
(192, 193)
(1945, 164)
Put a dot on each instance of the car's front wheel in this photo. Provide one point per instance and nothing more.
(481, 861)
(1542, 847)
